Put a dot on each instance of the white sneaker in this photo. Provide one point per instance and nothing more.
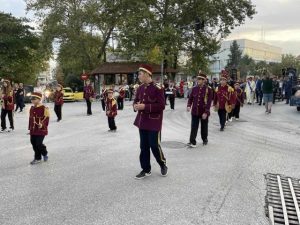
(10, 130)
(191, 145)
(237, 119)
(230, 120)
(3, 130)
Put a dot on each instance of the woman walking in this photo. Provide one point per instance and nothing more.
(7, 103)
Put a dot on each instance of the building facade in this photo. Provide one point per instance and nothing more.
(258, 51)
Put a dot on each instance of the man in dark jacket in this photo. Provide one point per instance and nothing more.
(287, 88)
(258, 90)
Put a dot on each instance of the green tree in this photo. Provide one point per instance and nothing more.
(246, 66)
(235, 55)
(21, 54)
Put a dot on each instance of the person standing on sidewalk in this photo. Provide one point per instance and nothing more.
(258, 91)
(268, 93)
(58, 101)
(88, 94)
(199, 104)
(7, 106)
(149, 103)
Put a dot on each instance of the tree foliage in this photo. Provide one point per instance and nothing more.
(153, 30)
(21, 53)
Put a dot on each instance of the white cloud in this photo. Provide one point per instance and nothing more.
(276, 22)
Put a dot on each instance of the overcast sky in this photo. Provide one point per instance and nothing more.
(279, 20)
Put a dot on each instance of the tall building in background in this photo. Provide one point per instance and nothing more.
(258, 51)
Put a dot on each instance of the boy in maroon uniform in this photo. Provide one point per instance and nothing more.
(149, 103)
(239, 101)
(7, 103)
(199, 104)
(121, 98)
(88, 94)
(223, 100)
(58, 101)
(111, 110)
(38, 127)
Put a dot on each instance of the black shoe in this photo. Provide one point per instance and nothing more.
(259, 104)
(205, 142)
(45, 158)
(221, 129)
(142, 175)
(34, 162)
(164, 171)
(58, 120)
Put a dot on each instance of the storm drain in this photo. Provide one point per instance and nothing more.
(283, 199)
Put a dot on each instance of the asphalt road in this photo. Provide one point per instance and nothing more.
(89, 178)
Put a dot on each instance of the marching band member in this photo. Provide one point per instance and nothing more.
(111, 110)
(171, 93)
(88, 94)
(7, 103)
(38, 127)
(223, 100)
(120, 98)
(149, 103)
(58, 101)
(199, 104)
(103, 97)
(239, 101)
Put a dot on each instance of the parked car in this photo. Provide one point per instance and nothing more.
(68, 95)
(295, 99)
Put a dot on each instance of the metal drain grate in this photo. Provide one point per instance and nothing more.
(283, 200)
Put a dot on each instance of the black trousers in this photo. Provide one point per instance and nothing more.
(20, 104)
(172, 102)
(111, 123)
(259, 96)
(103, 104)
(5, 112)
(120, 103)
(222, 116)
(194, 130)
(57, 110)
(150, 140)
(38, 147)
(89, 106)
(230, 115)
(274, 97)
(236, 111)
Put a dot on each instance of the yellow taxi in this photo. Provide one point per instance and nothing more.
(68, 95)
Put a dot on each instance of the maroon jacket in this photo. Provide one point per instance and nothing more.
(58, 98)
(8, 101)
(88, 92)
(38, 115)
(111, 106)
(239, 97)
(151, 117)
(200, 100)
(223, 95)
(122, 93)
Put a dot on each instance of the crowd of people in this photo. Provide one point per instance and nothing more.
(225, 95)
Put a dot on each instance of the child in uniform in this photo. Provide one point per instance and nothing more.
(38, 127)
(111, 110)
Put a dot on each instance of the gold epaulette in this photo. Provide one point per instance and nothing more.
(113, 102)
(230, 89)
(46, 112)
